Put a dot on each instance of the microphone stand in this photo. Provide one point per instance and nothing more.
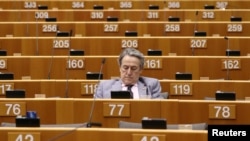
(52, 56)
(228, 49)
(89, 124)
(195, 28)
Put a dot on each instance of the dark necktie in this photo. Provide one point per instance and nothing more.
(129, 89)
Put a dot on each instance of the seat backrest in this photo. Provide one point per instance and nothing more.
(125, 124)
(74, 125)
(193, 126)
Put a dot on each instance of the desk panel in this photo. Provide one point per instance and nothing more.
(122, 15)
(105, 134)
(45, 29)
(132, 4)
(116, 4)
(85, 88)
(66, 111)
(183, 46)
(56, 67)
(198, 111)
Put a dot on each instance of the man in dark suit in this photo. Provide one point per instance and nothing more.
(131, 63)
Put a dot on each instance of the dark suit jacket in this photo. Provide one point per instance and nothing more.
(146, 85)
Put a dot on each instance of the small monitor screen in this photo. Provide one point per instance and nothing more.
(225, 96)
(183, 76)
(154, 123)
(120, 95)
(154, 52)
(6, 76)
(15, 93)
(94, 75)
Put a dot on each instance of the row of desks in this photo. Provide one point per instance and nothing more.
(97, 134)
(112, 45)
(177, 89)
(128, 4)
(160, 67)
(122, 15)
(109, 112)
(48, 29)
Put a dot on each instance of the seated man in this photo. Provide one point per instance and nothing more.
(131, 63)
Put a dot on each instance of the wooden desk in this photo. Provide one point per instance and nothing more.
(184, 46)
(177, 89)
(45, 29)
(122, 15)
(49, 110)
(211, 112)
(164, 67)
(116, 4)
(109, 112)
(105, 134)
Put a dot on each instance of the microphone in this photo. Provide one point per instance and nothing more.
(196, 19)
(226, 38)
(228, 48)
(90, 123)
(67, 68)
(195, 27)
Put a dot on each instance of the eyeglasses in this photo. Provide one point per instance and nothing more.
(132, 68)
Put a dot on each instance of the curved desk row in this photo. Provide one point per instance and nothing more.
(177, 89)
(161, 67)
(109, 112)
(97, 134)
(50, 29)
(129, 4)
(183, 46)
(123, 15)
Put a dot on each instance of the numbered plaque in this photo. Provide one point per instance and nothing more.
(208, 15)
(174, 5)
(234, 28)
(3, 63)
(61, 43)
(148, 137)
(198, 43)
(30, 4)
(88, 88)
(41, 15)
(24, 136)
(97, 15)
(153, 63)
(49, 28)
(172, 28)
(75, 63)
(111, 28)
(153, 15)
(6, 86)
(116, 109)
(222, 111)
(12, 108)
(221, 4)
(126, 5)
(129, 43)
(181, 88)
(233, 64)
(77, 4)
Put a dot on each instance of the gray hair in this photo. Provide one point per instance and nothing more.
(132, 52)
